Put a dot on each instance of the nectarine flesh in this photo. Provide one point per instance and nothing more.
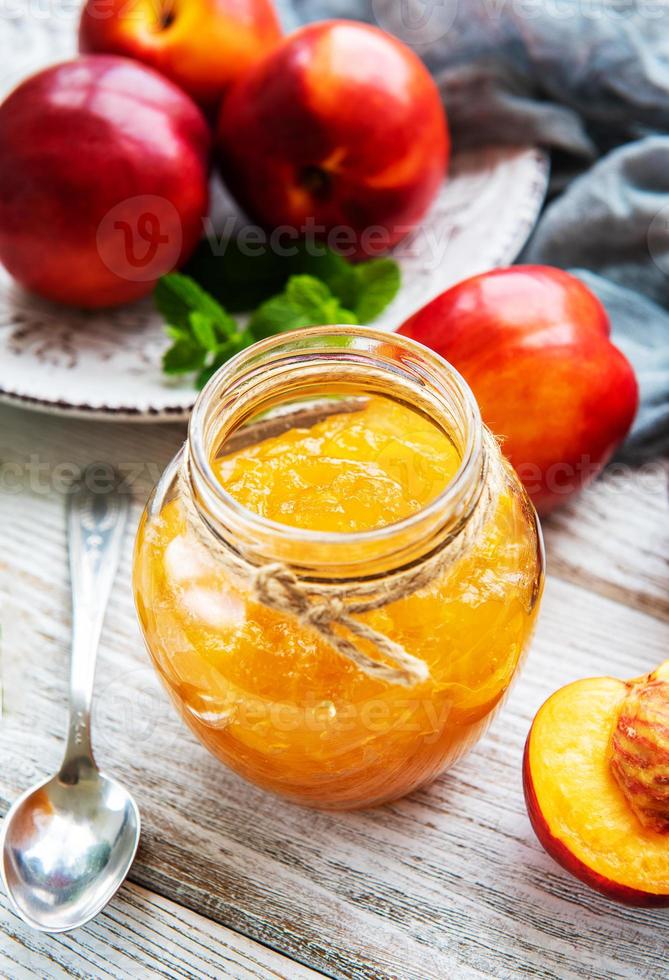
(578, 810)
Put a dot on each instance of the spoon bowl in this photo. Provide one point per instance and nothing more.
(66, 848)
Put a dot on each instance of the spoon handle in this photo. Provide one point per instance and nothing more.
(96, 516)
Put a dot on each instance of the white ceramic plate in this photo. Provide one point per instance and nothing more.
(107, 365)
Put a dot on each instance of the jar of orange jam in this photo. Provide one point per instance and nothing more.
(337, 576)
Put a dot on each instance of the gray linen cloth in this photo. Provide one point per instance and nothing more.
(588, 79)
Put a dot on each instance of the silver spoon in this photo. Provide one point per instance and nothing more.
(67, 844)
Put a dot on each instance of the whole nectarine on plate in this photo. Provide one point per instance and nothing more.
(340, 133)
(201, 45)
(533, 343)
(103, 180)
(596, 778)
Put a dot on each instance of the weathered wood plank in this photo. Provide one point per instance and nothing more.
(614, 537)
(139, 935)
(449, 882)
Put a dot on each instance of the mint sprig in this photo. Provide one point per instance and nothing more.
(204, 334)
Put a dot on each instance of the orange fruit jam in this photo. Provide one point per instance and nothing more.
(274, 700)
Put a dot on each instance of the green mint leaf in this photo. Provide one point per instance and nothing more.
(307, 293)
(225, 327)
(238, 276)
(334, 270)
(379, 282)
(203, 330)
(171, 305)
(242, 339)
(334, 313)
(183, 356)
(343, 283)
(177, 296)
(196, 322)
(177, 333)
(316, 302)
(306, 302)
(277, 315)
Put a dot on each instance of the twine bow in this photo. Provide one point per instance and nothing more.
(330, 608)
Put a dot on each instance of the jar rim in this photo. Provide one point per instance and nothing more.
(432, 370)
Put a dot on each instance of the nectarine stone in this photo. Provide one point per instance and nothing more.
(640, 752)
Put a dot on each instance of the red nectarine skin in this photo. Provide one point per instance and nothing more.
(577, 809)
(533, 343)
(341, 126)
(103, 180)
(201, 45)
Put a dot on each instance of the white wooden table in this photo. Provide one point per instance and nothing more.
(231, 882)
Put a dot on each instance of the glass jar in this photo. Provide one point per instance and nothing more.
(293, 698)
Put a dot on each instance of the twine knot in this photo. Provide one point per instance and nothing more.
(277, 587)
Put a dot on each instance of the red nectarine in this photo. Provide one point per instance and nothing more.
(103, 180)
(201, 45)
(533, 343)
(341, 130)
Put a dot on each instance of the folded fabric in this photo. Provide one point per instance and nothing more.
(588, 79)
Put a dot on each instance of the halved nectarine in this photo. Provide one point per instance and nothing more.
(596, 779)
